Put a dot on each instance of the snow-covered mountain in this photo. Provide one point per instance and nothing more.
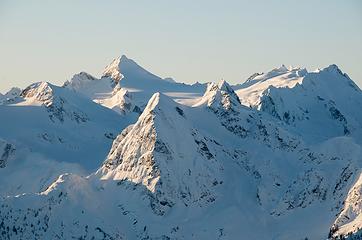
(318, 105)
(123, 79)
(277, 157)
(50, 130)
(11, 96)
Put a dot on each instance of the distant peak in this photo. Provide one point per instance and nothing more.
(39, 85)
(333, 68)
(40, 90)
(121, 61)
(224, 86)
(124, 67)
(123, 58)
(333, 75)
(125, 63)
(14, 91)
(220, 94)
(282, 68)
(10, 95)
(83, 76)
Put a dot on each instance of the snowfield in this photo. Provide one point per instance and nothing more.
(131, 155)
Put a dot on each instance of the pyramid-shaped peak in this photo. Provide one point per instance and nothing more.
(118, 67)
(41, 91)
(159, 101)
(131, 74)
(10, 95)
(79, 79)
(14, 91)
(224, 86)
(282, 68)
(220, 94)
(332, 68)
(124, 59)
(127, 65)
(37, 87)
(83, 76)
(120, 62)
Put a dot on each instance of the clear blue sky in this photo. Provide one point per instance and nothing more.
(190, 40)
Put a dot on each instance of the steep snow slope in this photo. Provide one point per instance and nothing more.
(350, 218)
(212, 171)
(53, 131)
(152, 155)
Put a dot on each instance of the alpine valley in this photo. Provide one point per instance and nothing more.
(131, 155)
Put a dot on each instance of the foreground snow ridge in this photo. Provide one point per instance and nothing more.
(131, 155)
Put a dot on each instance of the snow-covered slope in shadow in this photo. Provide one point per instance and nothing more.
(53, 130)
(180, 172)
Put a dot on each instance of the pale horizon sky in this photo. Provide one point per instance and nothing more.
(187, 40)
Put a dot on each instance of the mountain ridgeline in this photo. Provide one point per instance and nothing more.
(131, 155)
